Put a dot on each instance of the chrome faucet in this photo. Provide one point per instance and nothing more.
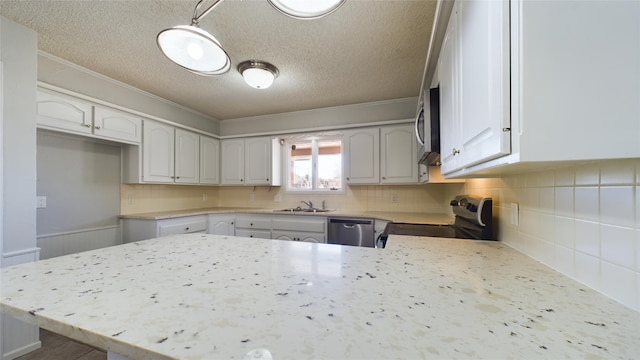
(309, 204)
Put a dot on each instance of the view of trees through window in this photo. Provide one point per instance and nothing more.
(315, 164)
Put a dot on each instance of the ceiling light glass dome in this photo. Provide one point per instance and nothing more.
(194, 49)
(306, 9)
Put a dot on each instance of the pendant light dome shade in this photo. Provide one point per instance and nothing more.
(258, 74)
(305, 9)
(194, 49)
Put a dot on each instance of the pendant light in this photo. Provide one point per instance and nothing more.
(258, 74)
(193, 48)
(306, 9)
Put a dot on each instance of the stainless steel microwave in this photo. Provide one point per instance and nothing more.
(428, 127)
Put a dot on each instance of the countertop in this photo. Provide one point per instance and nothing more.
(218, 297)
(404, 217)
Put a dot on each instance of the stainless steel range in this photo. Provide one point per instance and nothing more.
(473, 221)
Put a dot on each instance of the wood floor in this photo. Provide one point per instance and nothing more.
(56, 347)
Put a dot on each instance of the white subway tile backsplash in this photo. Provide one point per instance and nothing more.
(620, 172)
(587, 203)
(565, 232)
(588, 237)
(547, 200)
(618, 245)
(564, 201)
(617, 205)
(587, 269)
(588, 213)
(565, 177)
(564, 261)
(587, 175)
(619, 283)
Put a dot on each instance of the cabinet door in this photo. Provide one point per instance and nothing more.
(157, 152)
(232, 162)
(187, 166)
(61, 112)
(221, 225)
(257, 161)
(299, 236)
(117, 125)
(483, 35)
(448, 75)
(399, 163)
(362, 156)
(209, 160)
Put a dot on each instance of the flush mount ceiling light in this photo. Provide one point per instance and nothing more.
(258, 74)
(193, 48)
(305, 9)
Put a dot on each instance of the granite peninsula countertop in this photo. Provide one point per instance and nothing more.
(396, 216)
(203, 296)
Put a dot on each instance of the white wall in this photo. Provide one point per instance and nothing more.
(80, 178)
(18, 56)
(69, 76)
(331, 117)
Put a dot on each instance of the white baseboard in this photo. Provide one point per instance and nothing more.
(22, 351)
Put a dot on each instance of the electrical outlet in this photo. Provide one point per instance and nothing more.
(41, 202)
(204, 197)
(515, 214)
(394, 198)
(252, 197)
(130, 199)
(277, 198)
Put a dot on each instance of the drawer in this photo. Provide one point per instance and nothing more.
(262, 234)
(253, 223)
(182, 226)
(297, 224)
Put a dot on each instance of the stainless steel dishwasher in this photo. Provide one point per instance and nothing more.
(354, 232)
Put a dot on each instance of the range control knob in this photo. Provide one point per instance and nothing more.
(454, 203)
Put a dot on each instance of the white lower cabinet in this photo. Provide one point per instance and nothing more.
(254, 226)
(300, 228)
(143, 229)
(221, 224)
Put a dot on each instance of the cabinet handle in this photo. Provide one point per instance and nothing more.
(97, 127)
(267, 179)
(455, 152)
(347, 178)
(250, 224)
(232, 223)
(250, 235)
(187, 228)
(86, 125)
(241, 180)
(384, 178)
(177, 177)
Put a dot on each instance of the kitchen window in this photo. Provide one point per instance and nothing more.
(314, 164)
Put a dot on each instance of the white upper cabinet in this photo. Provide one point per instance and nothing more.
(380, 155)
(398, 163)
(187, 157)
(170, 155)
(532, 83)
(116, 125)
(209, 160)
(362, 156)
(68, 114)
(474, 84)
(232, 162)
(251, 161)
(158, 152)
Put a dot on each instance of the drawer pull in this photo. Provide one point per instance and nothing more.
(187, 228)
(97, 127)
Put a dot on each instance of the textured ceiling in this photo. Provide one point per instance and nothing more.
(366, 51)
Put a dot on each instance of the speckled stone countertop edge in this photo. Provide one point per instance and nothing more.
(404, 217)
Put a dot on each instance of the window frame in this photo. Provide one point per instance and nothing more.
(314, 139)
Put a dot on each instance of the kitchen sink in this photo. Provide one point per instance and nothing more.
(299, 209)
